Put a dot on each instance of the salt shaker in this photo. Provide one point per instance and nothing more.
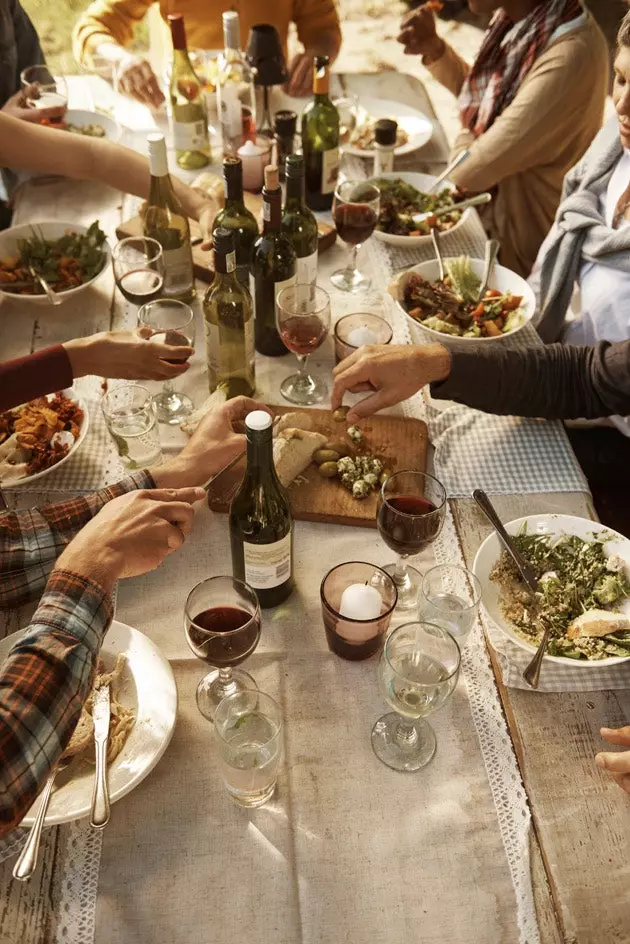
(384, 144)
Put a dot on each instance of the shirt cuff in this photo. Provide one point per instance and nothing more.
(467, 373)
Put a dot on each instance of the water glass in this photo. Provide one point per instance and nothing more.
(248, 729)
(131, 418)
(359, 328)
(450, 598)
(352, 632)
(172, 322)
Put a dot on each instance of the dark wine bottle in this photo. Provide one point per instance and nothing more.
(273, 268)
(298, 222)
(236, 217)
(320, 140)
(261, 526)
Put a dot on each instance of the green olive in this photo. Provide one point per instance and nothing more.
(385, 474)
(342, 448)
(328, 470)
(325, 455)
(340, 414)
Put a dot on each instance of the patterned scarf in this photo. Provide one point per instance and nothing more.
(500, 67)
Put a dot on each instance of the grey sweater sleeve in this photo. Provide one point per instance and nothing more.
(558, 381)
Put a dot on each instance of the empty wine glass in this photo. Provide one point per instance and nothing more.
(356, 207)
(138, 264)
(417, 673)
(43, 89)
(410, 515)
(222, 624)
(172, 322)
(303, 321)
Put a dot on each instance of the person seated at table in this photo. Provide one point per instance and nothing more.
(72, 553)
(120, 355)
(107, 26)
(19, 48)
(530, 105)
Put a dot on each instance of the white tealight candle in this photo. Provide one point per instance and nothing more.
(361, 335)
(360, 602)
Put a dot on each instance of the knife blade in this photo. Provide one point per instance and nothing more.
(100, 797)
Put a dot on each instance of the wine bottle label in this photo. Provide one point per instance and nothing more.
(307, 269)
(230, 261)
(266, 211)
(231, 110)
(278, 286)
(178, 270)
(267, 565)
(330, 170)
(217, 368)
(190, 135)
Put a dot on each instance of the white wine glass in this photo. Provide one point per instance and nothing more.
(303, 322)
(172, 322)
(417, 673)
(43, 89)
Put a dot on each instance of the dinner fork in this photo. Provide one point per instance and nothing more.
(489, 511)
(463, 156)
(491, 252)
(27, 862)
(435, 236)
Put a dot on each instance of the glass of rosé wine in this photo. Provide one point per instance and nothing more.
(303, 322)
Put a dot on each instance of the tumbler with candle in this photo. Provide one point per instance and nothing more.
(357, 329)
(358, 600)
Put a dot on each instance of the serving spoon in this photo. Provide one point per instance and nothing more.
(461, 157)
(491, 252)
(50, 295)
(479, 200)
(435, 236)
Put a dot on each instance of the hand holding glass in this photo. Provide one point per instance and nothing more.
(303, 322)
(172, 322)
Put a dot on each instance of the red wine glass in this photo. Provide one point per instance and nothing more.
(222, 625)
(410, 515)
(356, 207)
(138, 264)
(303, 322)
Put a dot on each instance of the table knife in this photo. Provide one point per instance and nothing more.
(100, 798)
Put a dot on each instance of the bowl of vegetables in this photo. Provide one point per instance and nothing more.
(450, 311)
(69, 256)
(402, 196)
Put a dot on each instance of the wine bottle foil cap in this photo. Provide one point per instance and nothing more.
(258, 420)
(178, 30)
(285, 123)
(223, 239)
(231, 29)
(385, 131)
(294, 165)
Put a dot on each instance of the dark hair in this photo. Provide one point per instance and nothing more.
(623, 36)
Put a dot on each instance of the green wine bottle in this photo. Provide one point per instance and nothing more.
(320, 140)
(229, 324)
(261, 525)
(236, 217)
(187, 107)
(298, 222)
(273, 268)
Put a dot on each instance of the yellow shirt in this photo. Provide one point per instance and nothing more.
(114, 20)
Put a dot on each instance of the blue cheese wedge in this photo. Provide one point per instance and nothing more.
(597, 623)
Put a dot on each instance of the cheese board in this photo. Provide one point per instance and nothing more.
(400, 443)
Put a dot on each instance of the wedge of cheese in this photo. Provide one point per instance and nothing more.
(293, 450)
(597, 623)
(214, 401)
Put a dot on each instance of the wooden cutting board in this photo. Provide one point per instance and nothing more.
(399, 442)
(203, 262)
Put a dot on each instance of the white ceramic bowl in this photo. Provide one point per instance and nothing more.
(502, 279)
(420, 182)
(490, 551)
(81, 117)
(49, 230)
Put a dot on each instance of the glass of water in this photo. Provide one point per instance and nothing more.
(131, 419)
(450, 598)
(248, 727)
(418, 673)
(172, 322)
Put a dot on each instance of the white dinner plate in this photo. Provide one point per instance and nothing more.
(421, 182)
(418, 127)
(557, 525)
(81, 117)
(147, 687)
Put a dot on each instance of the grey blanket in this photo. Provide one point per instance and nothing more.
(580, 234)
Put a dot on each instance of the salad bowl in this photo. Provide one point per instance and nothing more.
(422, 183)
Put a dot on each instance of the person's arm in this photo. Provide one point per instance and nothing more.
(34, 375)
(449, 69)
(418, 34)
(106, 22)
(318, 30)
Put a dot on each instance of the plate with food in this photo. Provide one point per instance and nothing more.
(143, 702)
(403, 196)
(40, 435)
(414, 128)
(583, 570)
(91, 124)
(449, 311)
(69, 256)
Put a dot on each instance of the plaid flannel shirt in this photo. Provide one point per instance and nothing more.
(47, 675)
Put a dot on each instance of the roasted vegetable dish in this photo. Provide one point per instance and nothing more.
(65, 263)
(90, 131)
(37, 435)
(400, 201)
(451, 307)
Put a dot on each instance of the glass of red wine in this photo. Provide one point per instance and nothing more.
(410, 515)
(303, 322)
(356, 207)
(172, 322)
(222, 624)
(138, 264)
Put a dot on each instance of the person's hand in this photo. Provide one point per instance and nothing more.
(617, 762)
(392, 372)
(205, 218)
(131, 535)
(135, 78)
(418, 34)
(17, 107)
(127, 355)
(300, 82)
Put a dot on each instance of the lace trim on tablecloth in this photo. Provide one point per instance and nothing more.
(79, 884)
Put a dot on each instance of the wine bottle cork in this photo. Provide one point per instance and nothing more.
(272, 178)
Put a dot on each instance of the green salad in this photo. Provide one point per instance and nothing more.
(400, 201)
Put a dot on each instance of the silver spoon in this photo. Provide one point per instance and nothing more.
(532, 672)
(491, 252)
(479, 200)
(435, 236)
(50, 295)
(463, 156)
(27, 862)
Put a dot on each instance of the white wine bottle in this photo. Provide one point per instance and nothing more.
(166, 222)
(229, 323)
(187, 106)
(236, 101)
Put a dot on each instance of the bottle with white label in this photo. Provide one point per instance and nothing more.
(320, 140)
(298, 222)
(236, 102)
(166, 222)
(187, 105)
(385, 131)
(261, 525)
(273, 267)
(229, 323)
(236, 217)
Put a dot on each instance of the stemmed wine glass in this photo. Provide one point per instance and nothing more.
(43, 89)
(172, 322)
(138, 264)
(410, 515)
(303, 321)
(222, 623)
(417, 673)
(356, 207)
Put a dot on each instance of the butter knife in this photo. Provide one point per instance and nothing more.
(100, 797)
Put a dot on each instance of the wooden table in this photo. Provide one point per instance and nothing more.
(579, 854)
